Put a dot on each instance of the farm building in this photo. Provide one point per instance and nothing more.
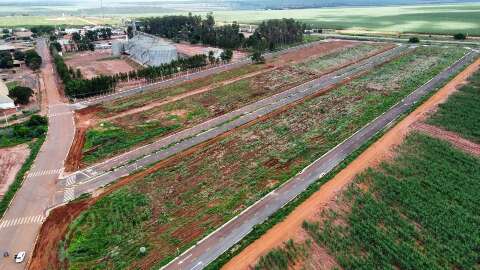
(5, 101)
(146, 50)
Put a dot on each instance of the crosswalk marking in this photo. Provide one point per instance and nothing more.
(22, 221)
(45, 172)
(71, 180)
(69, 194)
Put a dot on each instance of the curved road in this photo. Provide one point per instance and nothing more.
(20, 225)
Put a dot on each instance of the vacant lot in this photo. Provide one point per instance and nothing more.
(11, 160)
(461, 113)
(409, 213)
(180, 200)
(116, 134)
(99, 62)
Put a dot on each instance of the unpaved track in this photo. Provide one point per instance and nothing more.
(291, 227)
(452, 137)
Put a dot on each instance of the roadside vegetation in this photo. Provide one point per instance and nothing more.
(33, 128)
(32, 132)
(409, 213)
(194, 194)
(461, 113)
(118, 135)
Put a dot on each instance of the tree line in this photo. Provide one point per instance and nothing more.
(270, 34)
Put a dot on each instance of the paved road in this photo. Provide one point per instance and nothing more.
(181, 79)
(211, 247)
(21, 223)
(90, 179)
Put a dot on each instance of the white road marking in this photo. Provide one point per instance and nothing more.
(71, 180)
(69, 194)
(21, 221)
(45, 172)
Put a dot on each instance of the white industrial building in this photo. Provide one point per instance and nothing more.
(5, 101)
(146, 49)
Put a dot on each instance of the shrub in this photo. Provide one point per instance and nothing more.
(460, 36)
(414, 40)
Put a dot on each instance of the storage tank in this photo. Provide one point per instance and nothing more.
(117, 47)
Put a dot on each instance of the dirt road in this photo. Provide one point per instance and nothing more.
(21, 223)
(291, 227)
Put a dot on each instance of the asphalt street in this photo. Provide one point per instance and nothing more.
(92, 178)
(20, 225)
(229, 234)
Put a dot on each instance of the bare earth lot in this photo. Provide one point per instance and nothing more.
(99, 62)
(11, 160)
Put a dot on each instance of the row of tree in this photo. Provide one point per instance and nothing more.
(78, 87)
(270, 34)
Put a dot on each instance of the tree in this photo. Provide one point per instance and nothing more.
(6, 60)
(414, 40)
(258, 58)
(57, 46)
(19, 55)
(21, 94)
(226, 55)
(76, 37)
(211, 57)
(33, 60)
(460, 36)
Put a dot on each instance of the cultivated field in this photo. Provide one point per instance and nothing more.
(410, 213)
(461, 113)
(176, 202)
(117, 132)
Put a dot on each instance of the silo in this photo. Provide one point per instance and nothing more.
(117, 47)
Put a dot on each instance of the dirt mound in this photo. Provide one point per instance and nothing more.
(84, 119)
(45, 254)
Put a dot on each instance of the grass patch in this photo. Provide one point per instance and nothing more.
(461, 112)
(16, 134)
(414, 215)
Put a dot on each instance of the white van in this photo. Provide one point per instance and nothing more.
(20, 257)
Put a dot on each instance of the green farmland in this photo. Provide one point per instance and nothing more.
(461, 113)
(419, 211)
(184, 200)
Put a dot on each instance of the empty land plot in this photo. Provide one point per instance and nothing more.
(184, 198)
(118, 134)
(97, 63)
(409, 213)
(461, 113)
(11, 160)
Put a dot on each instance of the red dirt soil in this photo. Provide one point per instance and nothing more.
(45, 254)
(93, 64)
(291, 227)
(452, 137)
(11, 160)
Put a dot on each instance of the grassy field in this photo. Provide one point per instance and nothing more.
(119, 135)
(13, 21)
(419, 211)
(440, 19)
(23, 132)
(461, 113)
(194, 195)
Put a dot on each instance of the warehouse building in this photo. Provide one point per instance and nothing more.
(5, 101)
(146, 50)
